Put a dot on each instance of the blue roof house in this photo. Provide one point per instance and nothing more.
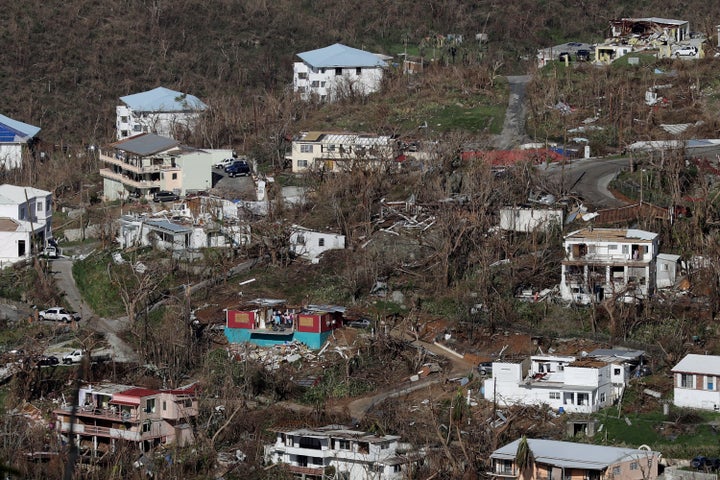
(13, 136)
(161, 111)
(336, 72)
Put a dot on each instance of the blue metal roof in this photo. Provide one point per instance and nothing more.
(340, 55)
(163, 99)
(14, 131)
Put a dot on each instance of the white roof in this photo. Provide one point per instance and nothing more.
(339, 55)
(14, 195)
(668, 257)
(702, 364)
(664, 21)
(572, 455)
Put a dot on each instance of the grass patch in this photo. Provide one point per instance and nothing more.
(15, 281)
(479, 119)
(93, 281)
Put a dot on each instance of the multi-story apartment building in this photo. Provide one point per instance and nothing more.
(337, 71)
(147, 163)
(351, 454)
(161, 111)
(110, 413)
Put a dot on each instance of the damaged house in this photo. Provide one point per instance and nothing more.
(663, 35)
(604, 262)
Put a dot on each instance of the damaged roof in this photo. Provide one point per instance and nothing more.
(611, 234)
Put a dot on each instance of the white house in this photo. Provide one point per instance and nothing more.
(528, 219)
(623, 365)
(668, 266)
(161, 111)
(560, 382)
(310, 245)
(353, 454)
(602, 262)
(148, 163)
(696, 382)
(337, 71)
(25, 222)
(14, 137)
(337, 152)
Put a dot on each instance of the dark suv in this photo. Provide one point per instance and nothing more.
(239, 168)
(165, 196)
(582, 55)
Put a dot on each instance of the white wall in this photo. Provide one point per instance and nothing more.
(9, 247)
(329, 84)
(161, 123)
(307, 244)
(10, 155)
(528, 219)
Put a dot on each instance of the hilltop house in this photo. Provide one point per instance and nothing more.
(696, 382)
(25, 220)
(337, 152)
(354, 455)
(602, 262)
(14, 138)
(161, 111)
(108, 413)
(337, 71)
(147, 163)
(568, 460)
(560, 382)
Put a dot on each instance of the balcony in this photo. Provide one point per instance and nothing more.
(125, 165)
(315, 471)
(99, 414)
(119, 177)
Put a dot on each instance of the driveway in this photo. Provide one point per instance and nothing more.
(65, 282)
(513, 132)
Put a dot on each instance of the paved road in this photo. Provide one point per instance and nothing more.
(62, 272)
(589, 177)
(513, 132)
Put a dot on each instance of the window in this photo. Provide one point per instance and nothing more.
(150, 405)
(39, 207)
(343, 444)
(616, 470)
(358, 71)
(304, 148)
(302, 75)
(331, 148)
(686, 380)
(124, 133)
(322, 70)
(338, 71)
(315, 84)
(174, 176)
(397, 468)
(616, 371)
(709, 382)
(634, 465)
(602, 397)
(384, 446)
(146, 426)
(321, 242)
(22, 213)
(322, 84)
(164, 405)
(665, 267)
(612, 246)
(302, 163)
(137, 128)
(301, 89)
(625, 249)
(554, 395)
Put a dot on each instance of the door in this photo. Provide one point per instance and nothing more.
(21, 248)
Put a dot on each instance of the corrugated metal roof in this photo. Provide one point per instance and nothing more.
(168, 226)
(702, 364)
(339, 55)
(163, 99)
(146, 144)
(572, 455)
(611, 234)
(14, 131)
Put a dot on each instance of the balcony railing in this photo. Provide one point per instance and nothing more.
(107, 173)
(100, 414)
(139, 169)
(306, 470)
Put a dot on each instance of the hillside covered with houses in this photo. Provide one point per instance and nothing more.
(343, 241)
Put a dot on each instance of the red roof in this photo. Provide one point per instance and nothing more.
(139, 392)
(121, 402)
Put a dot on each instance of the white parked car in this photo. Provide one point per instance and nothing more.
(59, 314)
(686, 51)
(224, 163)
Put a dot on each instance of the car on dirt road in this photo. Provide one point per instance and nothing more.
(239, 168)
(165, 196)
(224, 163)
(59, 314)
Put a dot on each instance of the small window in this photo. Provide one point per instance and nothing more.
(616, 470)
(709, 382)
(634, 465)
(150, 405)
(321, 242)
(384, 446)
(602, 397)
(686, 380)
(612, 246)
(302, 163)
(358, 71)
(124, 119)
(616, 372)
(322, 84)
(303, 75)
(146, 427)
(39, 207)
(304, 148)
(665, 267)
(554, 395)
(331, 148)
(174, 176)
(338, 71)
(322, 70)
(124, 133)
(625, 249)
(164, 406)
(315, 84)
